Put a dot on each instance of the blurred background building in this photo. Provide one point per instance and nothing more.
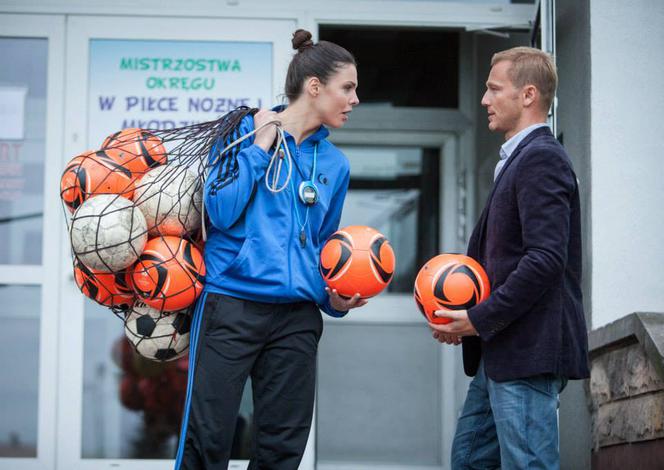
(74, 396)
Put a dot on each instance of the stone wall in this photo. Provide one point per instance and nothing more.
(627, 393)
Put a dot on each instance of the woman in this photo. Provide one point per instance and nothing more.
(259, 314)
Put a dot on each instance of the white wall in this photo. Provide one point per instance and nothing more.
(627, 145)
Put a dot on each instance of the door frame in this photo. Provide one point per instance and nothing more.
(442, 129)
(547, 15)
(51, 28)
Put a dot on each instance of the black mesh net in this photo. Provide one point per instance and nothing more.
(135, 215)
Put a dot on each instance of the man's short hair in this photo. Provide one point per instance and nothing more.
(531, 67)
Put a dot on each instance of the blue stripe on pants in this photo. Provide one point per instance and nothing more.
(193, 348)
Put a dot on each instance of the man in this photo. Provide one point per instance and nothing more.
(529, 337)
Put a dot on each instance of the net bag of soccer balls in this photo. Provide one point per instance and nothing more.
(134, 215)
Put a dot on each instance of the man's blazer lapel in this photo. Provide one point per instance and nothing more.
(485, 213)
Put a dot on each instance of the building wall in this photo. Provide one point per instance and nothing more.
(574, 63)
(573, 60)
(627, 78)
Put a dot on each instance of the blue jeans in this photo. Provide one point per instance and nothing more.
(509, 425)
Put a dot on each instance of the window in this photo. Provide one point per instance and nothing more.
(401, 66)
(396, 191)
(22, 149)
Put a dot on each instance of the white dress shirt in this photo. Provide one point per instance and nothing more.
(510, 146)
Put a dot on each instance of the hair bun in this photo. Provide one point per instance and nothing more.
(302, 40)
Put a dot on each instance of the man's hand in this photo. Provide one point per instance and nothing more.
(459, 326)
(265, 137)
(342, 305)
(447, 339)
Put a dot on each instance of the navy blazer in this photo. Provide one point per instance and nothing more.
(528, 239)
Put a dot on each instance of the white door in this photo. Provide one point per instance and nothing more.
(113, 411)
(31, 88)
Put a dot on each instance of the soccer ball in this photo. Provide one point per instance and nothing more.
(450, 282)
(160, 336)
(108, 233)
(109, 289)
(357, 259)
(93, 173)
(139, 149)
(169, 274)
(170, 199)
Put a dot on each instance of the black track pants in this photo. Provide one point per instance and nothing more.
(276, 344)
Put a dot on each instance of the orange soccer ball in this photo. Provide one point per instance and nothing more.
(169, 274)
(138, 149)
(93, 173)
(450, 282)
(109, 289)
(357, 259)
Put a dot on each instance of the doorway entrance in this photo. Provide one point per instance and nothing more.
(421, 166)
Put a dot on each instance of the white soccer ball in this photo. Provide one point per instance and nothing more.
(108, 233)
(170, 199)
(159, 336)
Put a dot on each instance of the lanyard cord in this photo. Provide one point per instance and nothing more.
(302, 235)
(276, 172)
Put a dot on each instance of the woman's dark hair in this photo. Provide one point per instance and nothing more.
(319, 60)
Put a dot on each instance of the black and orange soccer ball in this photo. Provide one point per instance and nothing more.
(93, 173)
(138, 149)
(109, 289)
(450, 282)
(357, 259)
(169, 274)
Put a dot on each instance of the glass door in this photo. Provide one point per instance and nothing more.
(118, 409)
(381, 377)
(32, 49)
(379, 374)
